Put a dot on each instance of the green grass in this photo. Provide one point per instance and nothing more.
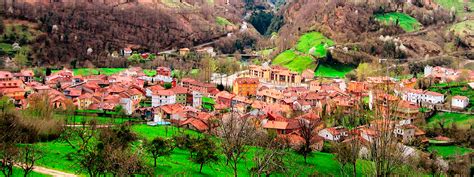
(95, 71)
(461, 120)
(221, 21)
(149, 72)
(406, 22)
(332, 70)
(294, 62)
(316, 40)
(454, 89)
(457, 4)
(447, 151)
(178, 163)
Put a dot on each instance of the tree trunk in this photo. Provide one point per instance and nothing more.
(305, 159)
(155, 162)
(354, 169)
(200, 169)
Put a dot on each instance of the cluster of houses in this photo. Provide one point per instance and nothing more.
(199, 105)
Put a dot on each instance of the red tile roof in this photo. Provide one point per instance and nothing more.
(164, 92)
(246, 80)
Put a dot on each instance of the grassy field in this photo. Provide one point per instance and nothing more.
(95, 71)
(456, 89)
(447, 151)
(178, 164)
(406, 22)
(294, 62)
(221, 21)
(461, 120)
(149, 72)
(457, 4)
(316, 40)
(332, 70)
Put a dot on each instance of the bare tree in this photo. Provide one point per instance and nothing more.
(308, 133)
(27, 157)
(271, 156)
(236, 134)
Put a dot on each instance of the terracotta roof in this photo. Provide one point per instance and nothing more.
(433, 93)
(75, 92)
(225, 94)
(5, 75)
(172, 108)
(179, 90)
(164, 92)
(198, 124)
(155, 88)
(276, 125)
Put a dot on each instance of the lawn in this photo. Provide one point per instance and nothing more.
(316, 40)
(332, 70)
(447, 151)
(457, 4)
(406, 22)
(454, 89)
(461, 120)
(149, 72)
(221, 21)
(178, 163)
(294, 62)
(97, 71)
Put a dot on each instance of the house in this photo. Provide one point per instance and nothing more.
(245, 86)
(163, 71)
(433, 97)
(307, 74)
(184, 51)
(163, 97)
(459, 102)
(170, 112)
(333, 133)
(408, 132)
(181, 94)
(127, 52)
(150, 90)
(275, 74)
(196, 99)
(281, 126)
(85, 100)
(270, 96)
(224, 98)
(25, 75)
(195, 124)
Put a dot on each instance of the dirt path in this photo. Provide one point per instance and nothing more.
(52, 172)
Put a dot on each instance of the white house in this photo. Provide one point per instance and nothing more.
(163, 97)
(433, 97)
(333, 133)
(197, 99)
(127, 105)
(460, 102)
(420, 96)
(412, 95)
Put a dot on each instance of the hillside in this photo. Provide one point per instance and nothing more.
(69, 31)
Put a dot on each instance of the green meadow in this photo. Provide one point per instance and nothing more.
(405, 21)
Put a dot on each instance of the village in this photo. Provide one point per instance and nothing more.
(257, 95)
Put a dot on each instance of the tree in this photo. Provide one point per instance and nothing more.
(159, 147)
(308, 132)
(8, 154)
(27, 157)
(204, 151)
(272, 156)
(237, 134)
(347, 153)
